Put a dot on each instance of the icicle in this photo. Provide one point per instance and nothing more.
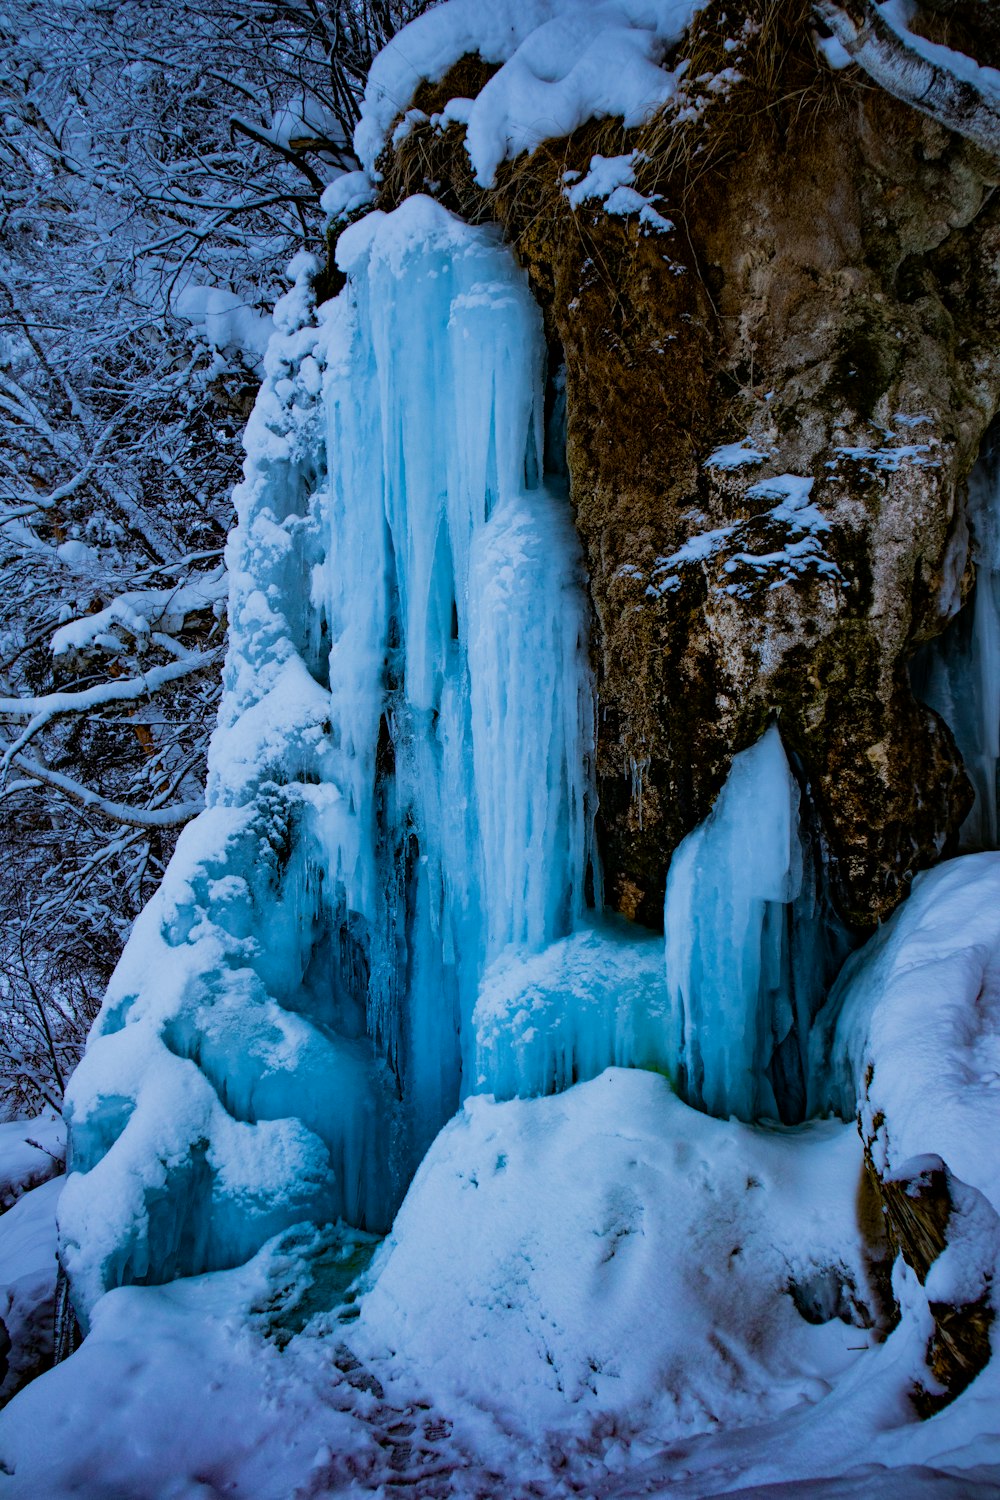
(748, 946)
(483, 834)
(958, 675)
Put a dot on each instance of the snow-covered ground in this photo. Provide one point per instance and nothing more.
(32, 1156)
(602, 1293)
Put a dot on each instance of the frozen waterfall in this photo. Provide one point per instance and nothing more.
(392, 900)
(399, 783)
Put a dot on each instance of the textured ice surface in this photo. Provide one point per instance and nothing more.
(750, 946)
(399, 781)
(548, 1020)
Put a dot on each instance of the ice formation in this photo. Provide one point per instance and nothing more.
(751, 945)
(550, 1019)
(958, 674)
(399, 782)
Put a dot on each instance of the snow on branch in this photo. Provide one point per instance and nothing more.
(42, 710)
(116, 812)
(140, 612)
(948, 86)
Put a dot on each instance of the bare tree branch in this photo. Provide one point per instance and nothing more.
(945, 85)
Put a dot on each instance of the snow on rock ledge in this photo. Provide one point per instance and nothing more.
(563, 62)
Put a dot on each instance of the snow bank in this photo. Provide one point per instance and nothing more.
(562, 62)
(610, 1251)
(603, 1293)
(912, 1027)
(399, 783)
(179, 1392)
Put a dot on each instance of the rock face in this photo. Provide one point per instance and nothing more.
(772, 407)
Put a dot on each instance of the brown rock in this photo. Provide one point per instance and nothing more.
(834, 267)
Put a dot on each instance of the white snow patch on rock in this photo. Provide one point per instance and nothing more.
(563, 62)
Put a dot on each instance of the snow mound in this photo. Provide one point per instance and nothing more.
(562, 62)
(28, 1283)
(610, 1250)
(913, 1027)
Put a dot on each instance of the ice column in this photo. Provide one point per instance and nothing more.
(958, 675)
(481, 698)
(749, 946)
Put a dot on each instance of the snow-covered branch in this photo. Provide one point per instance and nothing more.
(43, 710)
(116, 812)
(950, 87)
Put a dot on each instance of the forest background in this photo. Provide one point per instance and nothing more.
(160, 165)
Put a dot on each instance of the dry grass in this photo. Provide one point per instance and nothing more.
(782, 93)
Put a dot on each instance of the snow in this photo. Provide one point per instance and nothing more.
(180, 1392)
(346, 194)
(802, 552)
(224, 319)
(140, 612)
(833, 53)
(610, 180)
(736, 455)
(919, 1006)
(890, 459)
(31, 1151)
(664, 1288)
(899, 14)
(697, 549)
(562, 62)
